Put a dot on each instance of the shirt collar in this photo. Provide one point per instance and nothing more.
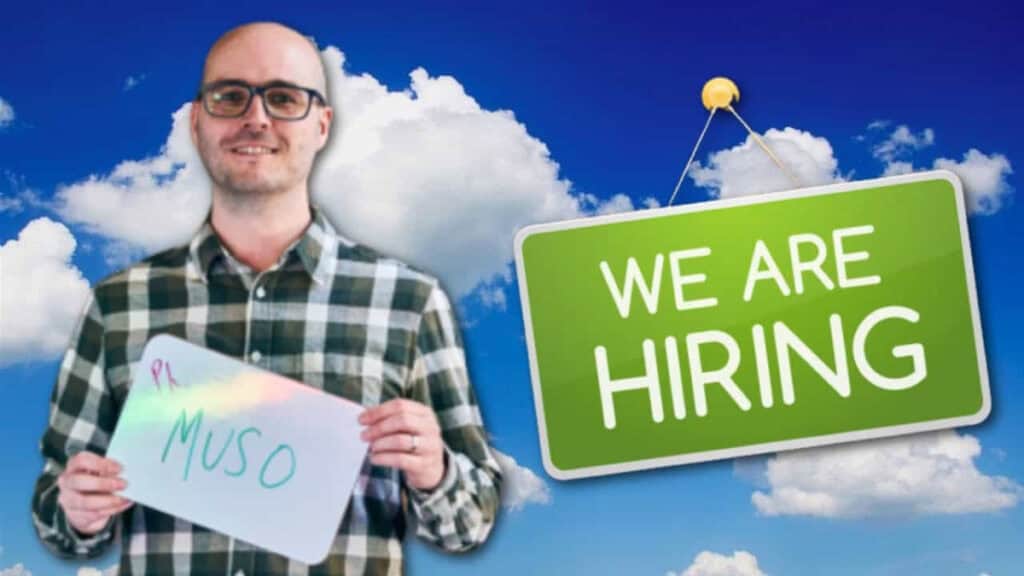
(315, 249)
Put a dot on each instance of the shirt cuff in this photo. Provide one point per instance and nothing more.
(84, 544)
(430, 497)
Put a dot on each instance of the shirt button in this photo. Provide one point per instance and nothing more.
(260, 292)
(255, 356)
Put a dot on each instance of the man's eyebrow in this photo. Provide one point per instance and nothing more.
(271, 82)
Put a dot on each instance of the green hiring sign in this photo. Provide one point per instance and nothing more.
(752, 325)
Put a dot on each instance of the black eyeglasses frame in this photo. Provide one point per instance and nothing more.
(314, 95)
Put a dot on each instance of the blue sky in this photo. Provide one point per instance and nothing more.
(607, 98)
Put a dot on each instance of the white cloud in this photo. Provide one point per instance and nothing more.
(616, 204)
(428, 175)
(984, 178)
(746, 169)
(897, 167)
(520, 486)
(902, 141)
(148, 204)
(11, 204)
(41, 293)
(925, 474)
(425, 174)
(90, 571)
(16, 195)
(741, 563)
(6, 113)
(493, 297)
(16, 570)
(133, 81)
(878, 124)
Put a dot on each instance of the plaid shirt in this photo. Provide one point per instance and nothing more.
(330, 313)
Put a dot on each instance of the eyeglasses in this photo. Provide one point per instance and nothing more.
(281, 100)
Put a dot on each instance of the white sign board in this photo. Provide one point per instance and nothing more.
(238, 449)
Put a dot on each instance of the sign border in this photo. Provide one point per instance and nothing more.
(753, 449)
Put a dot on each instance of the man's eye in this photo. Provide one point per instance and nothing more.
(230, 96)
(281, 98)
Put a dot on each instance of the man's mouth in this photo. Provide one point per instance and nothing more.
(253, 150)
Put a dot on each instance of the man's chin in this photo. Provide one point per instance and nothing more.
(252, 187)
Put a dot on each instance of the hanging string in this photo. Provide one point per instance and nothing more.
(692, 154)
(721, 92)
(764, 147)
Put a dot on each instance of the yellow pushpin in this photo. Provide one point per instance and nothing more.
(719, 92)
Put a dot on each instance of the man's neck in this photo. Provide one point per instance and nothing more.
(257, 231)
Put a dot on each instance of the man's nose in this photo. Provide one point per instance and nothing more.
(256, 116)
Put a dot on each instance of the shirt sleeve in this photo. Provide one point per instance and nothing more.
(82, 417)
(459, 513)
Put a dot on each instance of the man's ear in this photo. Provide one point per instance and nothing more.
(324, 122)
(193, 123)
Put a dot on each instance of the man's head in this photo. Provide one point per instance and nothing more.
(255, 153)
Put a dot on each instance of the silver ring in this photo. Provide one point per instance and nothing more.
(415, 443)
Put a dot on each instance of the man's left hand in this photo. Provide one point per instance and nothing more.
(404, 434)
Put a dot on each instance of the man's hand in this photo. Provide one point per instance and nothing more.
(86, 494)
(404, 434)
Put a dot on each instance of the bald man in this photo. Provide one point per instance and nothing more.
(267, 280)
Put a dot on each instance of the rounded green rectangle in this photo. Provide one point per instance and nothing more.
(752, 325)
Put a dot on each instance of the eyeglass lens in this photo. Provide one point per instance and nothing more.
(280, 101)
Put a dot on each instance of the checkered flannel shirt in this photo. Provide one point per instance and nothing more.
(331, 313)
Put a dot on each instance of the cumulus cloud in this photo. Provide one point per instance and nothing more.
(430, 176)
(984, 178)
(423, 173)
(158, 201)
(745, 169)
(616, 204)
(902, 141)
(6, 113)
(16, 570)
(41, 292)
(741, 563)
(897, 167)
(926, 474)
(520, 486)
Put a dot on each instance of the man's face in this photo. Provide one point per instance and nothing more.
(256, 154)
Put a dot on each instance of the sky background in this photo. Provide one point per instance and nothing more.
(461, 123)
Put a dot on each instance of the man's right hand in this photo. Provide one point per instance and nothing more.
(86, 494)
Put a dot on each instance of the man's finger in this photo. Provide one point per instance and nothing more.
(90, 483)
(402, 460)
(404, 443)
(76, 501)
(390, 408)
(112, 510)
(419, 424)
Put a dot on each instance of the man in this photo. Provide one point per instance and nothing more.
(267, 280)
